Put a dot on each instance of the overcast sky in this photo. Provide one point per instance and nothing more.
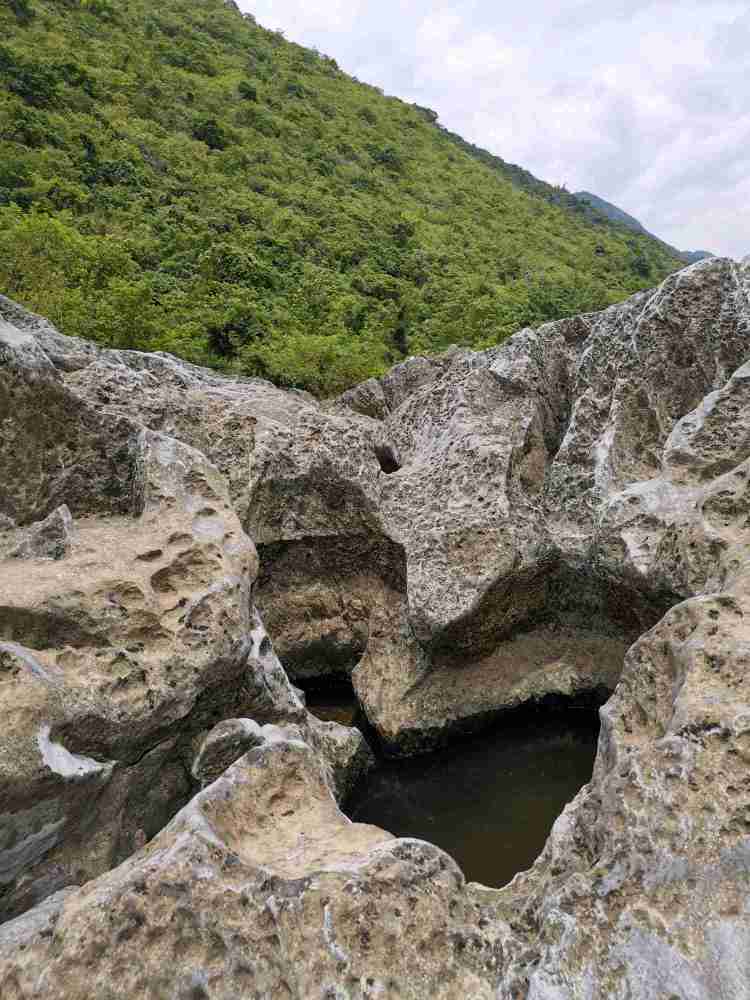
(644, 102)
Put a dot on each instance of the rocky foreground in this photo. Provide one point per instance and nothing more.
(563, 515)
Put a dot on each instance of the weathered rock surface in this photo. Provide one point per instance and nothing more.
(546, 502)
(488, 528)
(50, 538)
(122, 641)
(113, 657)
(260, 887)
(643, 889)
(319, 595)
(57, 447)
(482, 479)
(343, 751)
(303, 480)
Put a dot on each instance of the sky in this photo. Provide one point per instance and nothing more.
(643, 102)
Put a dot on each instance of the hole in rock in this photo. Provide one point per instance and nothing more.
(333, 700)
(488, 800)
(386, 456)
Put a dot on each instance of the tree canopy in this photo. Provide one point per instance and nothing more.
(175, 177)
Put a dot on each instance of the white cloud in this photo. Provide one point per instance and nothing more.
(644, 102)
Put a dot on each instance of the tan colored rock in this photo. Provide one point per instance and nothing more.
(555, 497)
(226, 743)
(113, 659)
(643, 888)
(342, 751)
(260, 887)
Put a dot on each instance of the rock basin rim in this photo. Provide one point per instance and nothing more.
(563, 514)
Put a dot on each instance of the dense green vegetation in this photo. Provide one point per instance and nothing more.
(175, 177)
(614, 214)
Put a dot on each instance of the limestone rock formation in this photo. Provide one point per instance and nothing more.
(303, 479)
(643, 889)
(564, 514)
(544, 502)
(342, 751)
(114, 657)
(50, 538)
(227, 742)
(260, 887)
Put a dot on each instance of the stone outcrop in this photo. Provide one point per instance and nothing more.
(565, 514)
(342, 751)
(50, 538)
(114, 658)
(546, 502)
(260, 887)
(643, 889)
(126, 632)
(57, 447)
(303, 479)
(468, 496)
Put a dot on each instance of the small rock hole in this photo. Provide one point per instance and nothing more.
(387, 459)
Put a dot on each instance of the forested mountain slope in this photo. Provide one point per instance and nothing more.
(175, 177)
(617, 215)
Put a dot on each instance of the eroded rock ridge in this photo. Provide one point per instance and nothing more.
(564, 514)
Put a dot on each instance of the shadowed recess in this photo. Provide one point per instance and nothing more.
(489, 800)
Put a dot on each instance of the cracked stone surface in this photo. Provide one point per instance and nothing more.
(565, 513)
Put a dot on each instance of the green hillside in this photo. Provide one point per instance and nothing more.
(175, 177)
(617, 215)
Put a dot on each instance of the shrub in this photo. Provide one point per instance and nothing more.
(29, 127)
(23, 11)
(388, 157)
(34, 82)
(247, 91)
(208, 130)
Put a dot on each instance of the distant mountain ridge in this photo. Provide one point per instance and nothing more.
(583, 203)
(616, 214)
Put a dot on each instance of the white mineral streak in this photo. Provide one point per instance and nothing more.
(67, 764)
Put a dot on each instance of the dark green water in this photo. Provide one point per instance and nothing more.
(489, 800)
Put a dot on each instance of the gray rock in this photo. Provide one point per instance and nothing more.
(50, 538)
(300, 477)
(570, 512)
(521, 467)
(367, 399)
(113, 659)
(643, 886)
(261, 887)
(342, 750)
(225, 744)
(56, 445)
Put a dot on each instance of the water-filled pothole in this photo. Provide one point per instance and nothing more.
(488, 800)
(334, 702)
